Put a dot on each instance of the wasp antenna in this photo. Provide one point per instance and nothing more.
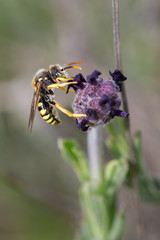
(73, 63)
(68, 67)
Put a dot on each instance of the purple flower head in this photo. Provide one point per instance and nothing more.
(97, 98)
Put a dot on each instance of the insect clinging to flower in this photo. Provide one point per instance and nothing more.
(44, 83)
(96, 100)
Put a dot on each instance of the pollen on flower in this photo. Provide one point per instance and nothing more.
(97, 98)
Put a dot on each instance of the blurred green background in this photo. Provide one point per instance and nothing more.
(38, 190)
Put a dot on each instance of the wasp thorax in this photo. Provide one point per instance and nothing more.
(40, 75)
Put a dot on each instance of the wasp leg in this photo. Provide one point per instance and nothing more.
(63, 79)
(56, 85)
(64, 89)
(68, 113)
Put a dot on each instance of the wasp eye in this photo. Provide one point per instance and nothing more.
(58, 74)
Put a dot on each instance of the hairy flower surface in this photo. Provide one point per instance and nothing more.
(97, 98)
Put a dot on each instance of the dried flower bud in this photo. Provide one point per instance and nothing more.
(97, 98)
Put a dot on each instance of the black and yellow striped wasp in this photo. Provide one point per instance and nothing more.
(44, 83)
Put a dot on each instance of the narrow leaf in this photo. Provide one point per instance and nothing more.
(117, 230)
(115, 173)
(72, 152)
(94, 211)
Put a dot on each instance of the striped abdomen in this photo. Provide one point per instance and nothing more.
(48, 112)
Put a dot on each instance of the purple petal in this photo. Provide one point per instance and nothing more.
(106, 103)
(117, 76)
(119, 113)
(92, 78)
(82, 125)
(79, 78)
(69, 86)
(79, 85)
(91, 114)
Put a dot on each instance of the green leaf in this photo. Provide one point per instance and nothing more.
(118, 146)
(72, 152)
(117, 230)
(117, 127)
(117, 142)
(113, 147)
(94, 212)
(138, 152)
(149, 190)
(115, 173)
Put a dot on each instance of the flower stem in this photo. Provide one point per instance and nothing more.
(95, 151)
(118, 59)
(117, 49)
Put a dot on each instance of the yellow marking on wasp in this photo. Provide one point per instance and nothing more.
(54, 122)
(45, 78)
(39, 79)
(49, 120)
(34, 83)
(43, 111)
(46, 117)
(39, 104)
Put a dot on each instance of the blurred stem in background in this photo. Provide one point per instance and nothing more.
(95, 151)
(118, 60)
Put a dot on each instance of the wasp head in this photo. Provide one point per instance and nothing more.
(57, 71)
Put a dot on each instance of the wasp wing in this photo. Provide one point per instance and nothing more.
(34, 106)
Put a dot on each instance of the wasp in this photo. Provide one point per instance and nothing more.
(44, 83)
